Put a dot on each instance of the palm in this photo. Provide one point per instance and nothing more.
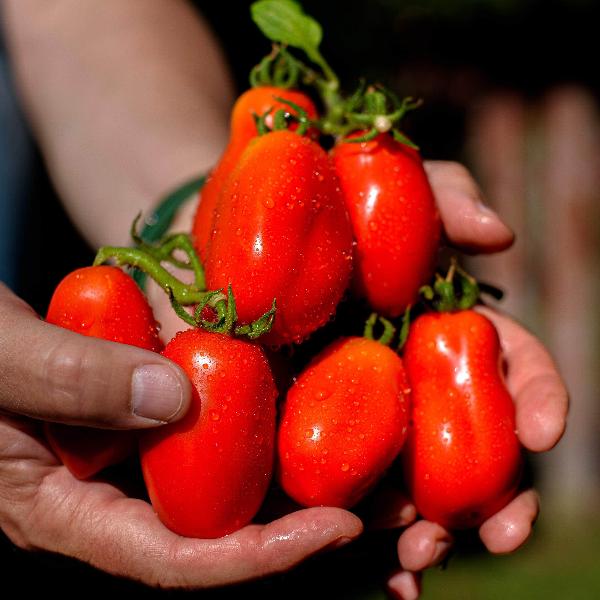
(97, 522)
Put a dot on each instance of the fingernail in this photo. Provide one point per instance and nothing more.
(440, 552)
(157, 393)
(341, 541)
(484, 208)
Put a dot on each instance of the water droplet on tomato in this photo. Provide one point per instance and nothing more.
(345, 467)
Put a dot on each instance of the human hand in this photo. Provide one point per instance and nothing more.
(539, 394)
(78, 380)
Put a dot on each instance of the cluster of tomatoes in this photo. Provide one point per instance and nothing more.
(284, 230)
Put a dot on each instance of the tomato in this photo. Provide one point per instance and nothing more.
(281, 231)
(462, 458)
(343, 423)
(86, 451)
(104, 302)
(101, 302)
(255, 101)
(394, 217)
(208, 473)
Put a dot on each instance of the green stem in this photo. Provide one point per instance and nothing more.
(135, 257)
(179, 241)
(388, 329)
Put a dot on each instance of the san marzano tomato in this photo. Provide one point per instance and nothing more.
(208, 473)
(281, 231)
(462, 458)
(394, 217)
(343, 423)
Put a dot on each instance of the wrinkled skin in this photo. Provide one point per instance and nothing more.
(44, 507)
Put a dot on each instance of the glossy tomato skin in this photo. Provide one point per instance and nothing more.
(208, 473)
(462, 458)
(343, 423)
(104, 302)
(101, 302)
(394, 218)
(281, 231)
(255, 101)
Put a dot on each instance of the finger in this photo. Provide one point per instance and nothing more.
(509, 528)
(405, 585)
(468, 222)
(123, 536)
(540, 396)
(53, 374)
(423, 545)
(388, 508)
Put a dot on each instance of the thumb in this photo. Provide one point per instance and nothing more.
(53, 374)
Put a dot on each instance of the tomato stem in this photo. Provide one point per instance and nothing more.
(458, 290)
(404, 328)
(149, 264)
(278, 69)
(388, 329)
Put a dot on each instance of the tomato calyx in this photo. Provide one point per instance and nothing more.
(224, 315)
(278, 69)
(373, 110)
(386, 337)
(458, 290)
(284, 119)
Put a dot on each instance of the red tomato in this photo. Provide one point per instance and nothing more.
(101, 302)
(462, 458)
(86, 451)
(255, 101)
(281, 231)
(208, 473)
(394, 217)
(344, 421)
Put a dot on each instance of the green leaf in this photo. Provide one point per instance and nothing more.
(285, 22)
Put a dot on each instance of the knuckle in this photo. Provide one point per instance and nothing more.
(456, 171)
(62, 376)
(70, 382)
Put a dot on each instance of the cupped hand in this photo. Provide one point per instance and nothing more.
(45, 507)
(52, 374)
(538, 391)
